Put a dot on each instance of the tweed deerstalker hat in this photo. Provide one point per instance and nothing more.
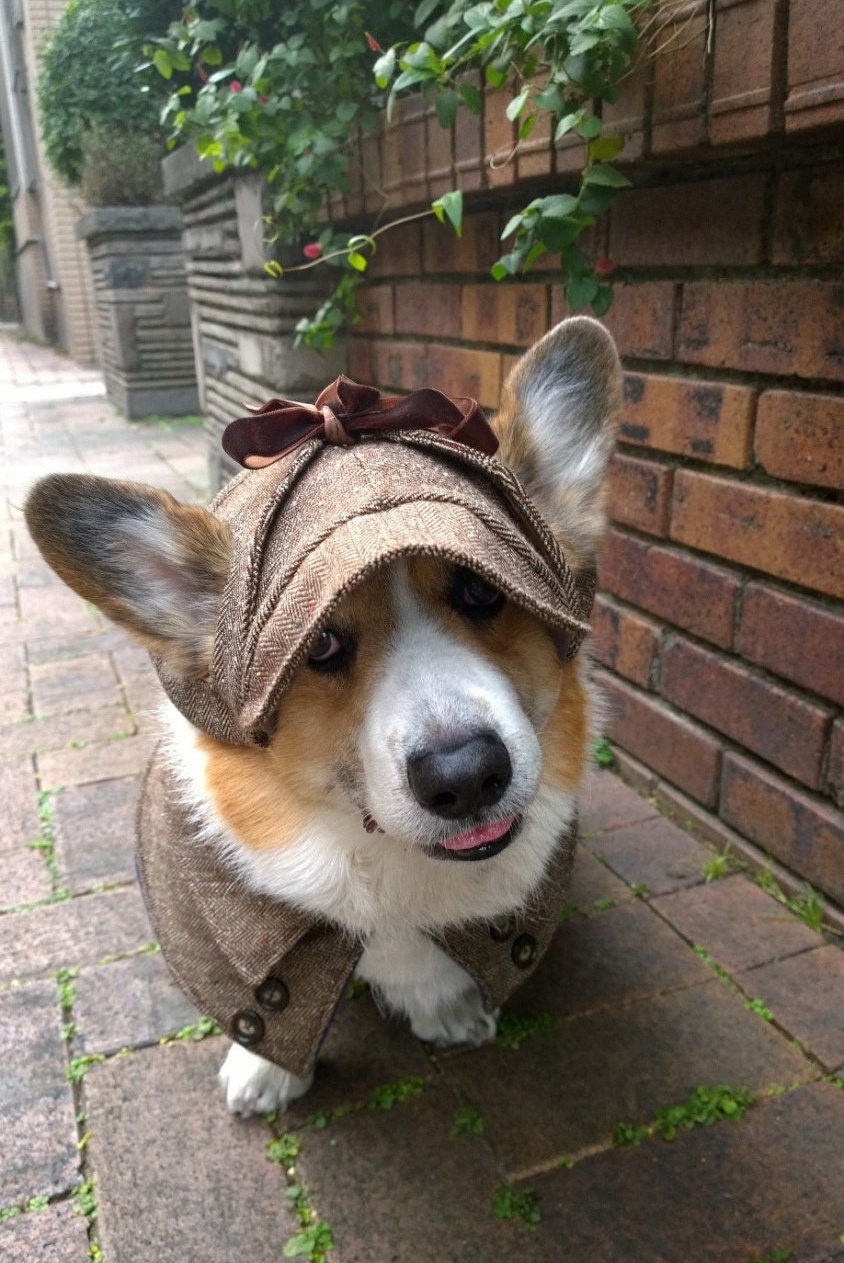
(331, 492)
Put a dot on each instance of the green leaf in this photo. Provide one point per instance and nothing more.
(424, 11)
(450, 205)
(550, 98)
(605, 148)
(163, 64)
(589, 128)
(567, 123)
(580, 291)
(558, 206)
(494, 76)
(518, 103)
(558, 233)
(512, 224)
(471, 97)
(357, 261)
(603, 300)
(385, 67)
(507, 265)
(605, 176)
(446, 107)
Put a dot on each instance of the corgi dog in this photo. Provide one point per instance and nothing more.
(431, 718)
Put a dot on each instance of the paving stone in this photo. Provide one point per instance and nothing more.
(58, 731)
(38, 1153)
(563, 1091)
(128, 1004)
(655, 853)
(362, 1050)
(399, 1185)
(52, 648)
(77, 931)
(57, 1234)
(94, 761)
(88, 680)
(19, 822)
(15, 707)
(178, 1178)
(806, 994)
(607, 803)
(592, 882)
(737, 923)
(25, 878)
(95, 832)
(727, 1193)
(624, 954)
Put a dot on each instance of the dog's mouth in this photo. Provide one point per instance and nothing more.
(480, 843)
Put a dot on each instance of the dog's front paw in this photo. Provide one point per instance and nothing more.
(461, 1022)
(253, 1085)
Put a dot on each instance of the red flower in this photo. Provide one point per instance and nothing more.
(604, 266)
(374, 46)
(262, 100)
(236, 85)
(312, 250)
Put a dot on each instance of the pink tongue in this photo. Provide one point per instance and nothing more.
(477, 837)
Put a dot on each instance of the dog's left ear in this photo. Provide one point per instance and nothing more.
(557, 426)
(153, 565)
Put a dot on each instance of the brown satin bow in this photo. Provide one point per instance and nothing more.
(344, 411)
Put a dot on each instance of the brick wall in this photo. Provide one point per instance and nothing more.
(719, 626)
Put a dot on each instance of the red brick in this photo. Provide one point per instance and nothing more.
(534, 156)
(705, 420)
(433, 310)
(510, 313)
(804, 832)
(669, 743)
(640, 494)
(673, 585)
(756, 712)
(399, 253)
(815, 84)
(475, 251)
(626, 116)
(460, 371)
(440, 151)
(679, 95)
(704, 223)
(794, 638)
(359, 361)
(398, 365)
(499, 138)
(375, 303)
(404, 151)
(835, 770)
(624, 640)
(745, 91)
(371, 173)
(801, 437)
(783, 327)
(784, 535)
(469, 143)
(809, 217)
(641, 319)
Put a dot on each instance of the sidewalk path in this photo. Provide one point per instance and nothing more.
(663, 992)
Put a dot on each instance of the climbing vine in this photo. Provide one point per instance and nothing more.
(280, 93)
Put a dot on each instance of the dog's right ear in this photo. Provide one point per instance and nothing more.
(153, 565)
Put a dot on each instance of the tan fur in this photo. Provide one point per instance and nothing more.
(269, 796)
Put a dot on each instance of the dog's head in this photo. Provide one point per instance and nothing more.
(430, 707)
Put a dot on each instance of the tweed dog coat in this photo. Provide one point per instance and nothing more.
(315, 514)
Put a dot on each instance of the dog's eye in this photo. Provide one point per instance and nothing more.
(327, 650)
(474, 597)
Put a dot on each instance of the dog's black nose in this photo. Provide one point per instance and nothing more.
(459, 781)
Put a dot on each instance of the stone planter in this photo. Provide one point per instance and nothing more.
(142, 305)
(243, 319)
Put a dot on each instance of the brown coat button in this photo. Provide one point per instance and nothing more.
(272, 994)
(524, 951)
(502, 928)
(247, 1027)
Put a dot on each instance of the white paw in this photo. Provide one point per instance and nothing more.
(253, 1085)
(463, 1021)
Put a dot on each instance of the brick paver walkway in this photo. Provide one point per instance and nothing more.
(551, 1145)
